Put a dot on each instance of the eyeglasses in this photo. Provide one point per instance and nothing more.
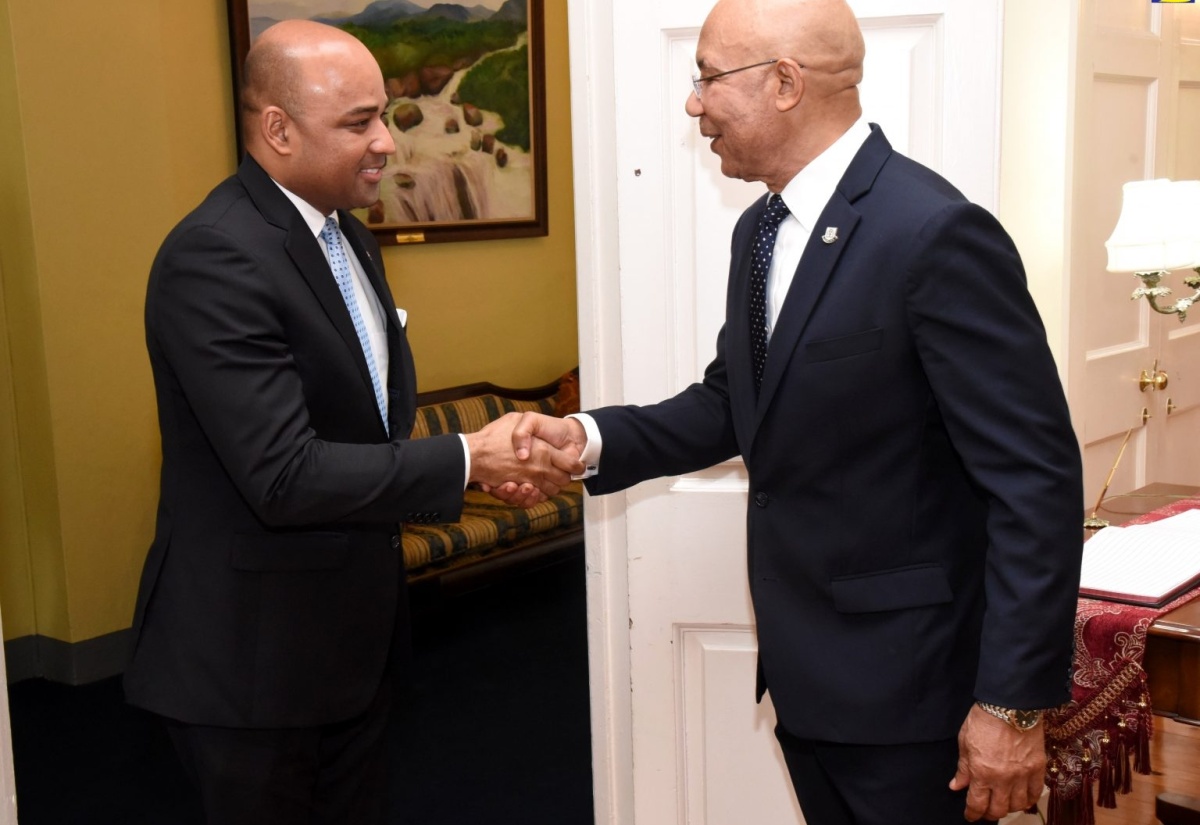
(698, 82)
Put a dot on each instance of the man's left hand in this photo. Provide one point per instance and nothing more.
(1002, 768)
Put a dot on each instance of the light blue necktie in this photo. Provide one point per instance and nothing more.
(341, 273)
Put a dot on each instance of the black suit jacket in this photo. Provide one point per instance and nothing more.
(274, 587)
(913, 522)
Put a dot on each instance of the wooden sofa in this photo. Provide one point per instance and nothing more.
(492, 535)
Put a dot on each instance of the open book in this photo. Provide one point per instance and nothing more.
(1148, 564)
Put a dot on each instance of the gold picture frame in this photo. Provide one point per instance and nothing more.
(466, 105)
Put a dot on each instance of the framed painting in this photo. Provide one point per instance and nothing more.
(466, 106)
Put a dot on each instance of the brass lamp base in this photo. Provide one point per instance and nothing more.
(1151, 291)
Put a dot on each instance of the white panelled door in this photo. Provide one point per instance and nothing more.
(1137, 112)
(677, 736)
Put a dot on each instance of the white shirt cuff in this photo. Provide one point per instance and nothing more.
(591, 451)
(466, 460)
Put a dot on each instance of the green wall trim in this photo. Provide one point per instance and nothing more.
(78, 663)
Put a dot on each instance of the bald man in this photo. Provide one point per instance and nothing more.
(913, 526)
(272, 610)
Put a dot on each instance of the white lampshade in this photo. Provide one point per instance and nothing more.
(1159, 227)
(1188, 205)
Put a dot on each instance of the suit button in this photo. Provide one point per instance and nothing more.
(761, 499)
(395, 542)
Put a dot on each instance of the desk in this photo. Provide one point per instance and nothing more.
(1172, 662)
(1172, 666)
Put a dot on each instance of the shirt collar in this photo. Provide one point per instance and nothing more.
(808, 192)
(311, 215)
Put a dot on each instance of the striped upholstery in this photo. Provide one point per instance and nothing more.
(488, 526)
(469, 415)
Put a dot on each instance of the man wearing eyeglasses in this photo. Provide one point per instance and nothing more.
(915, 483)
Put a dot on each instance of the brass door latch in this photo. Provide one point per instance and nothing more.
(1153, 379)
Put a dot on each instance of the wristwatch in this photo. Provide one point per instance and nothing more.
(1021, 720)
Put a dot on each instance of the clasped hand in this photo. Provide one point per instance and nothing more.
(524, 459)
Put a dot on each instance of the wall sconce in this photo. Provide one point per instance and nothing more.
(1158, 230)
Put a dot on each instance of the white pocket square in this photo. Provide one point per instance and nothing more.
(402, 315)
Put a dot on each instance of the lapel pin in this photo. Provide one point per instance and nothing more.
(830, 234)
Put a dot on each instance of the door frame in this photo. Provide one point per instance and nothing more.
(8, 784)
(595, 168)
(598, 304)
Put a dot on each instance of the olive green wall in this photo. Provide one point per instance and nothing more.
(115, 120)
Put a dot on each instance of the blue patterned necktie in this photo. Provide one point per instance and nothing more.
(341, 273)
(760, 265)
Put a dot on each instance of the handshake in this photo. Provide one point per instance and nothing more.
(524, 458)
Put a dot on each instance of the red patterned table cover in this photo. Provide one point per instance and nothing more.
(1098, 740)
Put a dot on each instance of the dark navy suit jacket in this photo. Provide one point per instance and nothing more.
(915, 485)
(274, 587)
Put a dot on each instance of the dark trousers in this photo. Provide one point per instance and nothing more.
(874, 784)
(329, 775)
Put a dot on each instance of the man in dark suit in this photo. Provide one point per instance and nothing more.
(272, 610)
(913, 525)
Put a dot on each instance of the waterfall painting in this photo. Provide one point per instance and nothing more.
(466, 107)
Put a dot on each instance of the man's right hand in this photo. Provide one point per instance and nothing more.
(559, 433)
(534, 431)
(543, 469)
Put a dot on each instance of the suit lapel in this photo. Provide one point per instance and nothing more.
(305, 251)
(738, 353)
(818, 264)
